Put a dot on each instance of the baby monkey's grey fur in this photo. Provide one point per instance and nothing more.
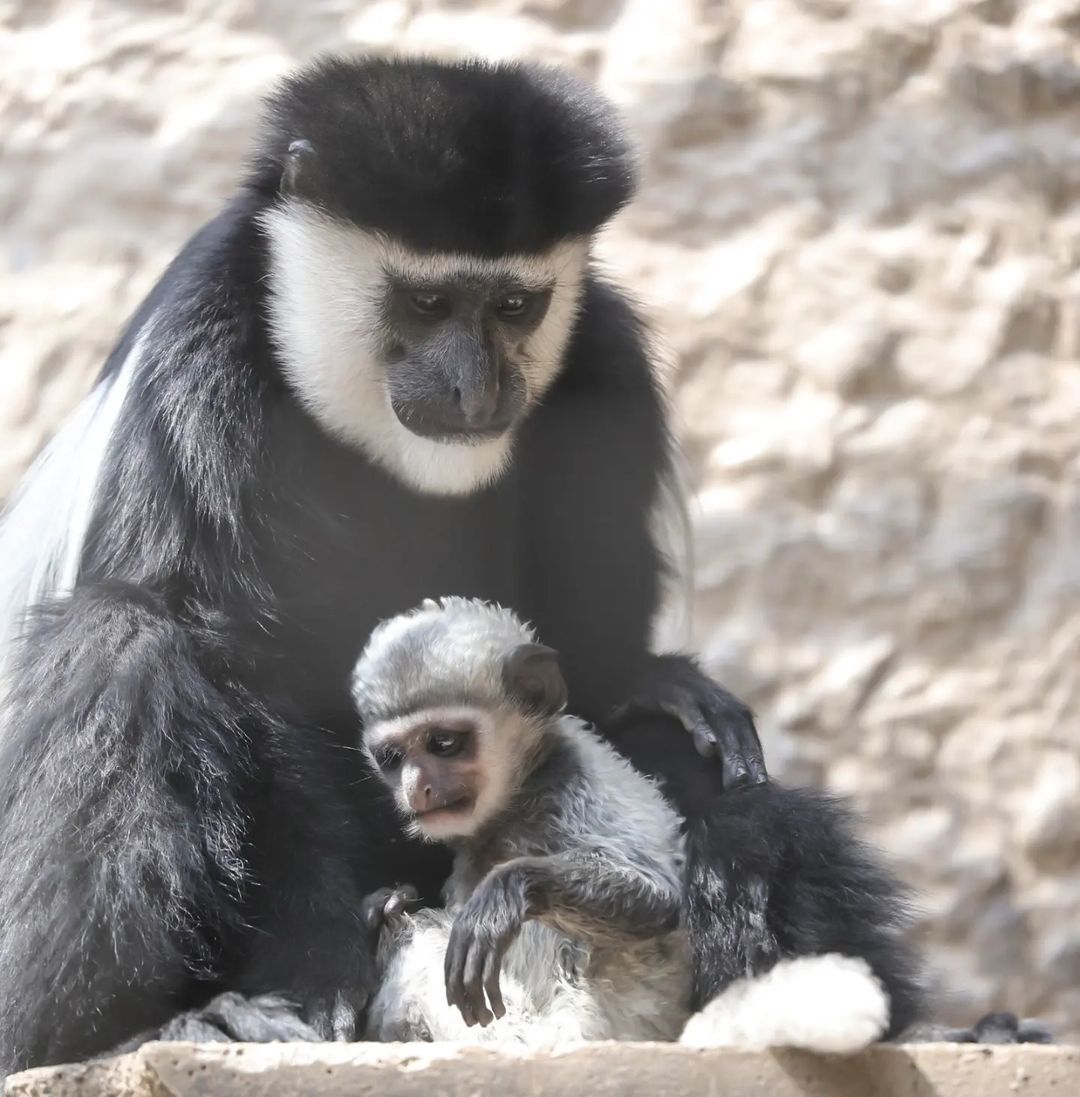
(562, 919)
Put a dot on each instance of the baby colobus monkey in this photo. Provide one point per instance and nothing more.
(563, 916)
(563, 908)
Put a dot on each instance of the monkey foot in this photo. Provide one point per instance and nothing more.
(387, 905)
(1001, 1028)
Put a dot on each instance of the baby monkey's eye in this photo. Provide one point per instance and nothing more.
(388, 758)
(445, 744)
(514, 304)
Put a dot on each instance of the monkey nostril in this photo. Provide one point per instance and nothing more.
(457, 397)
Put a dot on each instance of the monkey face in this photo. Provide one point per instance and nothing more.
(443, 769)
(456, 354)
(453, 766)
(426, 360)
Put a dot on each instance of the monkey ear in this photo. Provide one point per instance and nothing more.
(299, 163)
(532, 675)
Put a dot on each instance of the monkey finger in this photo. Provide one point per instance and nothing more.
(684, 708)
(453, 964)
(728, 736)
(742, 765)
(737, 739)
(758, 773)
(399, 901)
(1034, 1031)
(735, 771)
(704, 739)
(457, 992)
(372, 908)
(492, 968)
(474, 987)
(457, 999)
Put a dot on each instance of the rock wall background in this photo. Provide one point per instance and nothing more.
(859, 231)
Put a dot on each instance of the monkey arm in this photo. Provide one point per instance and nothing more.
(117, 822)
(720, 725)
(586, 894)
(589, 895)
(595, 542)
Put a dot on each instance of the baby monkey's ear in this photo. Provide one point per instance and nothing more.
(532, 675)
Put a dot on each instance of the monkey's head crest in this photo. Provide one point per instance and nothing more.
(469, 156)
(450, 650)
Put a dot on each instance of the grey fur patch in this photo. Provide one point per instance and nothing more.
(442, 653)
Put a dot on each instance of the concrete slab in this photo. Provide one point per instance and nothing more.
(594, 1070)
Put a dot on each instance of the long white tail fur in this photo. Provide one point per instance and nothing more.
(44, 528)
(828, 1003)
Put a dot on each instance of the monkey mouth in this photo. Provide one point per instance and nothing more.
(457, 436)
(449, 429)
(454, 807)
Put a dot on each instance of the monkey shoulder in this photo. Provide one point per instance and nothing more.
(603, 799)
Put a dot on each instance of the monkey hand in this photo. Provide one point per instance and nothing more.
(387, 905)
(721, 725)
(326, 974)
(482, 932)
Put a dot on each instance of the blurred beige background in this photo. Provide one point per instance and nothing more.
(859, 231)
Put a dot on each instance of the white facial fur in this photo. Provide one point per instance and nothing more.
(502, 745)
(327, 279)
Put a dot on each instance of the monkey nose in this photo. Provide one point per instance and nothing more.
(420, 799)
(477, 404)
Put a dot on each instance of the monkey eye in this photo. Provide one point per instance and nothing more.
(431, 305)
(388, 758)
(445, 744)
(514, 304)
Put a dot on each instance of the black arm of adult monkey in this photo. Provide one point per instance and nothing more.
(118, 827)
(596, 565)
(123, 843)
(583, 893)
(722, 727)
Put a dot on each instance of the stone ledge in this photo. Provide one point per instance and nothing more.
(596, 1070)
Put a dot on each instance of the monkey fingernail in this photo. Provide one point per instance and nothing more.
(704, 742)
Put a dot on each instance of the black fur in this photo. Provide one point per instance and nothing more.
(182, 808)
(775, 872)
(494, 159)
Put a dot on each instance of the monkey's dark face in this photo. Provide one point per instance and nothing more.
(426, 361)
(456, 354)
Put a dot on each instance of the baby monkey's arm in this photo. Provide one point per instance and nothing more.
(586, 894)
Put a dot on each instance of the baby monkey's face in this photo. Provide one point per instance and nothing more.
(453, 766)
(442, 767)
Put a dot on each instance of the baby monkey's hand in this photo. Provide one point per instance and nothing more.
(483, 930)
(385, 906)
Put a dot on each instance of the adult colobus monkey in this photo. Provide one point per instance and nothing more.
(385, 369)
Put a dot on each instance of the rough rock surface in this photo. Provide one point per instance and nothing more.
(599, 1070)
(860, 232)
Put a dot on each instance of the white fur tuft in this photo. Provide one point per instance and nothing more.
(672, 533)
(826, 1003)
(44, 528)
(327, 283)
